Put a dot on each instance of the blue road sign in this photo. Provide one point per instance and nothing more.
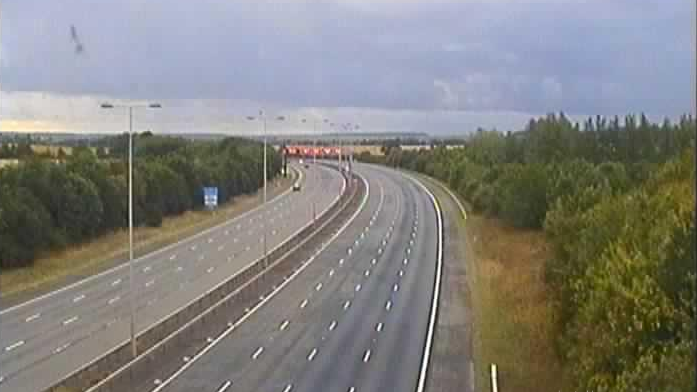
(210, 196)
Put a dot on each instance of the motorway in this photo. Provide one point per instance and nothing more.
(45, 339)
(357, 317)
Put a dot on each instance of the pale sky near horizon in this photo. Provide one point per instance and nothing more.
(438, 66)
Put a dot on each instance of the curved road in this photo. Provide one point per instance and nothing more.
(43, 340)
(355, 319)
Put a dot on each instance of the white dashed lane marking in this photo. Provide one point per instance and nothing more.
(257, 353)
(14, 345)
(32, 317)
(225, 386)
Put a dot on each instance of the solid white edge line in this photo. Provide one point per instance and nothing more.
(436, 288)
(146, 256)
(231, 328)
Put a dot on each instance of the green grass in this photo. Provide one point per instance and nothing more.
(514, 325)
(99, 254)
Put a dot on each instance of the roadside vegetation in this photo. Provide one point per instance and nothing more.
(616, 206)
(47, 205)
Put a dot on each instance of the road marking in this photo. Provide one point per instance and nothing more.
(331, 272)
(173, 257)
(32, 318)
(378, 327)
(14, 345)
(61, 348)
(341, 261)
(396, 287)
(388, 305)
(284, 325)
(366, 356)
(288, 388)
(79, 298)
(347, 304)
(70, 320)
(312, 354)
(117, 281)
(149, 283)
(111, 301)
(319, 286)
(358, 287)
(367, 273)
(225, 386)
(303, 304)
(332, 325)
(257, 353)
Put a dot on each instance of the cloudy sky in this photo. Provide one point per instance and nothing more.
(390, 65)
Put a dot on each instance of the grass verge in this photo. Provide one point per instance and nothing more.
(110, 249)
(514, 320)
(512, 315)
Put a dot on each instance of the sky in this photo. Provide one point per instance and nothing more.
(436, 66)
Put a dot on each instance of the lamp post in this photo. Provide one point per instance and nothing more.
(262, 117)
(132, 287)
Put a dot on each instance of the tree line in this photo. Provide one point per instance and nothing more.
(617, 203)
(47, 205)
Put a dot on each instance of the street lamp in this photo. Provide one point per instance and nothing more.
(262, 117)
(132, 286)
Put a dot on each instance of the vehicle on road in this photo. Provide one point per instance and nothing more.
(296, 187)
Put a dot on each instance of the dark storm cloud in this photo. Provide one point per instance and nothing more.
(535, 56)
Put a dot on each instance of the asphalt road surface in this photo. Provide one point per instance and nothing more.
(45, 339)
(354, 320)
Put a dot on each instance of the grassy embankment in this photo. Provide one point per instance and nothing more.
(94, 256)
(512, 314)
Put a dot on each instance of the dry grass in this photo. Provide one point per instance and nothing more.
(514, 321)
(101, 253)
